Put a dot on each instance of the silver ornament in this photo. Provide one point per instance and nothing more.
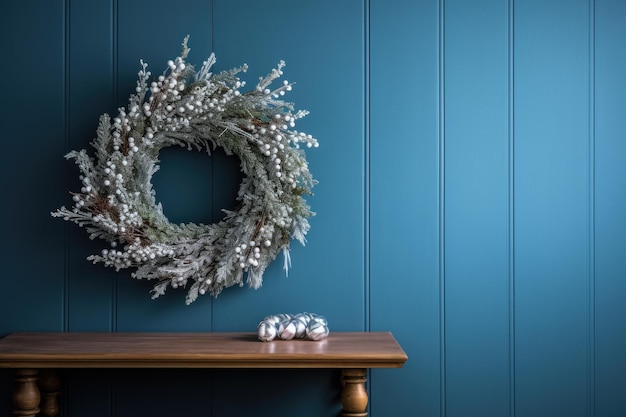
(301, 325)
(287, 329)
(317, 330)
(266, 331)
(318, 318)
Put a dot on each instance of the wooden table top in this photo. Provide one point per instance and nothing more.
(197, 350)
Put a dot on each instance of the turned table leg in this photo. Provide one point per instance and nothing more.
(26, 394)
(353, 393)
(50, 387)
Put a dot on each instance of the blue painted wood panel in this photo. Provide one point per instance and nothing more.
(610, 205)
(329, 84)
(327, 68)
(475, 189)
(403, 223)
(551, 88)
(33, 116)
(148, 30)
(91, 78)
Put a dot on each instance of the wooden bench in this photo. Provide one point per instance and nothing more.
(34, 357)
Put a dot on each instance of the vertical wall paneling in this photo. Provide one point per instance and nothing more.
(441, 200)
(156, 40)
(153, 31)
(367, 117)
(32, 118)
(511, 201)
(327, 68)
(404, 235)
(325, 60)
(551, 207)
(476, 208)
(610, 181)
(33, 130)
(90, 77)
(591, 232)
(90, 288)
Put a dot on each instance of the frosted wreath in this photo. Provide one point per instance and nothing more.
(287, 326)
(196, 110)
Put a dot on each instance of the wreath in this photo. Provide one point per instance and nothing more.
(197, 110)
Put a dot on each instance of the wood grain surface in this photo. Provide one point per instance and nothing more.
(197, 350)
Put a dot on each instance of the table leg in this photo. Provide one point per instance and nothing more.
(26, 394)
(353, 393)
(50, 387)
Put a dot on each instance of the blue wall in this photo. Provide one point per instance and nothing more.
(472, 198)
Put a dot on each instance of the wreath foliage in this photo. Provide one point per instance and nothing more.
(198, 110)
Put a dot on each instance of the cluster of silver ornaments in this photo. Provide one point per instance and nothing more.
(293, 326)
